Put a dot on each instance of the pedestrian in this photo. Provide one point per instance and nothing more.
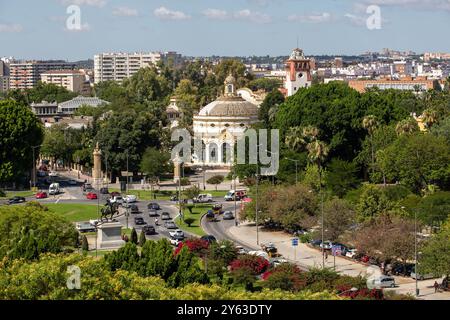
(326, 255)
(156, 221)
(436, 286)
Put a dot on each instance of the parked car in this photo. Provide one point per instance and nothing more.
(351, 253)
(85, 227)
(269, 248)
(153, 206)
(130, 198)
(139, 221)
(400, 269)
(277, 261)
(422, 276)
(177, 234)
(16, 199)
(165, 216)
(203, 198)
(41, 195)
(241, 250)
(116, 199)
(382, 282)
(170, 225)
(153, 213)
(104, 191)
(149, 230)
(326, 245)
(209, 238)
(115, 194)
(315, 243)
(133, 209)
(91, 196)
(228, 215)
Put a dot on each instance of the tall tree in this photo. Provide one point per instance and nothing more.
(370, 123)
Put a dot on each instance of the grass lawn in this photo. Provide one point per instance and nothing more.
(197, 213)
(164, 195)
(75, 212)
(26, 193)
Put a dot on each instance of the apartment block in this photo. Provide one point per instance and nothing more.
(26, 75)
(72, 80)
(406, 83)
(120, 66)
(4, 83)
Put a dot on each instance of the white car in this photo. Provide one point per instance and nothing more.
(241, 250)
(117, 199)
(203, 198)
(176, 234)
(260, 253)
(382, 282)
(326, 245)
(175, 241)
(351, 253)
(130, 198)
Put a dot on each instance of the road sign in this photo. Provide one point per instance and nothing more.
(295, 242)
(336, 250)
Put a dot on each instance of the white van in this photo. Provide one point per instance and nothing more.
(232, 193)
(203, 198)
(54, 189)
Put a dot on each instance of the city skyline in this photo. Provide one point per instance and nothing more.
(205, 28)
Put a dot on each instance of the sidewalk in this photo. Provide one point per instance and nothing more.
(306, 256)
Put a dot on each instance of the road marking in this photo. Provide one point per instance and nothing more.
(57, 200)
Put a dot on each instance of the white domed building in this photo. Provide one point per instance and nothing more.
(220, 124)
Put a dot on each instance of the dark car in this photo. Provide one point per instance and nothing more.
(153, 213)
(210, 215)
(316, 243)
(16, 199)
(139, 221)
(153, 206)
(209, 238)
(170, 225)
(133, 208)
(104, 191)
(228, 215)
(149, 230)
(165, 216)
(115, 194)
(217, 207)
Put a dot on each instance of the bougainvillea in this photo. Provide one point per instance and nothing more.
(196, 246)
(370, 294)
(257, 265)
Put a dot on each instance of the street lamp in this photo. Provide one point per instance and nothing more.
(34, 165)
(415, 252)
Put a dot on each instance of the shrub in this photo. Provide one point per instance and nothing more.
(285, 277)
(257, 265)
(142, 239)
(134, 236)
(196, 246)
(84, 244)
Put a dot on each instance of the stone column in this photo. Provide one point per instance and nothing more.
(97, 171)
(176, 170)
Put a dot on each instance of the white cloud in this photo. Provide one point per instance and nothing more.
(313, 18)
(411, 4)
(92, 3)
(166, 14)
(256, 17)
(125, 12)
(215, 14)
(12, 28)
(356, 20)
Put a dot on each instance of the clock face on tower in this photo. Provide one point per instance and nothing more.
(300, 75)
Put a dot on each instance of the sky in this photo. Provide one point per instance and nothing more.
(31, 29)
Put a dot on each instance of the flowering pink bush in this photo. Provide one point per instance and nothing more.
(257, 265)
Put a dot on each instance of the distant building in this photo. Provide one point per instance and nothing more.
(298, 72)
(173, 113)
(69, 107)
(406, 83)
(45, 109)
(72, 80)
(26, 75)
(338, 62)
(78, 122)
(172, 57)
(4, 83)
(120, 66)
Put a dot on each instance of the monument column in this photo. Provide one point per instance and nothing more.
(97, 171)
(176, 169)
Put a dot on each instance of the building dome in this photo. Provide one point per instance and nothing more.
(230, 79)
(226, 107)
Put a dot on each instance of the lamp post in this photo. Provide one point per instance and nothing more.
(415, 252)
(34, 166)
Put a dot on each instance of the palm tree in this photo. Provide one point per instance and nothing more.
(429, 117)
(317, 153)
(407, 126)
(370, 123)
(295, 139)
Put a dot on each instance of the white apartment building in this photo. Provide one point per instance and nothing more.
(72, 80)
(119, 66)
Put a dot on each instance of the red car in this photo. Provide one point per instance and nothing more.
(91, 196)
(41, 195)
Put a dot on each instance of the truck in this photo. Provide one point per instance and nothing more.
(54, 189)
(203, 198)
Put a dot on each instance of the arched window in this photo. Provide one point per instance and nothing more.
(213, 153)
(226, 153)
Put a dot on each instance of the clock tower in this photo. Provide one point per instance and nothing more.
(298, 72)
